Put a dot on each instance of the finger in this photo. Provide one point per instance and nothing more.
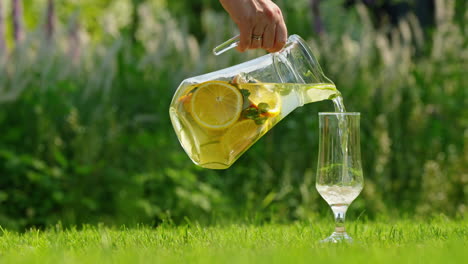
(257, 36)
(245, 37)
(280, 37)
(269, 37)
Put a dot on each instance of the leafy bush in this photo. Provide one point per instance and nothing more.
(86, 136)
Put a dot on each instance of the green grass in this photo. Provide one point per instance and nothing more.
(399, 242)
(85, 134)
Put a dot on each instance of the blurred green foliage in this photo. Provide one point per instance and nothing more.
(86, 136)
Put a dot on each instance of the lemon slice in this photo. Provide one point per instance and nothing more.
(240, 136)
(216, 105)
(264, 93)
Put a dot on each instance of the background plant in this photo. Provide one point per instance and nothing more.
(86, 137)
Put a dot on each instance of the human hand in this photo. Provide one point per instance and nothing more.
(260, 23)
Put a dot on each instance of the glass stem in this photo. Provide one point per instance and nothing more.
(339, 211)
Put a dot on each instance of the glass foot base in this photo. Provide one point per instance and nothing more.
(338, 237)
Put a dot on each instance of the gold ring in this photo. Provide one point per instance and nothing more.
(257, 37)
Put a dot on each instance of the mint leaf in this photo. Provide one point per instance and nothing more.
(250, 112)
(260, 120)
(245, 92)
(263, 108)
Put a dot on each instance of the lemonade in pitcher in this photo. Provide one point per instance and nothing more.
(216, 121)
(218, 116)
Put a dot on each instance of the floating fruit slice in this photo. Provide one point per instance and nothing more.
(264, 93)
(185, 100)
(238, 137)
(216, 105)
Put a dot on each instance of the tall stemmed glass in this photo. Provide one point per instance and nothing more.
(339, 172)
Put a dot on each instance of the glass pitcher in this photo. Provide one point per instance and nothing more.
(219, 115)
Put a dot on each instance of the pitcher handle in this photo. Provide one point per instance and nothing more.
(227, 45)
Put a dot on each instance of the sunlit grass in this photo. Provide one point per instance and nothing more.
(421, 242)
(85, 134)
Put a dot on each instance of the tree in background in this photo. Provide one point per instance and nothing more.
(317, 23)
(50, 17)
(74, 38)
(389, 12)
(17, 14)
(2, 30)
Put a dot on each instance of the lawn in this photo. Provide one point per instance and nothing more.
(440, 241)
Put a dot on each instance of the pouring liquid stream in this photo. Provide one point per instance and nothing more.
(343, 133)
(340, 191)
